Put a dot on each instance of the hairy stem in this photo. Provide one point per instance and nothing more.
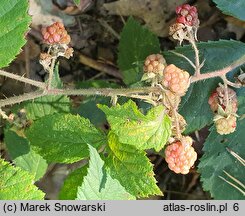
(21, 98)
(218, 73)
(22, 79)
(183, 56)
(192, 41)
(108, 92)
(176, 120)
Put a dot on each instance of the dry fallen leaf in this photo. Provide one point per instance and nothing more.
(156, 14)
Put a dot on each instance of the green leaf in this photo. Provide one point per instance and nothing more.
(24, 157)
(217, 159)
(98, 184)
(47, 105)
(14, 24)
(198, 114)
(88, 107)
(135, 45)
(194, 106)
(77, 2)
(63, 137)
(17, 184)
(56, 81)
(132, 168)
(71, 184)
(134, 128)
(241, 101)
(232, 7)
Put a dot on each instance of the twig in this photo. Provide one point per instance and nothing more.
(21, 98)
(99, 66)
(235, 85)
(176, 120)
(192, 41)
(218, 73)
(3, 114)
(183, 56)
(107, 92)
(27, 63)
(23, 79)
(109, 28)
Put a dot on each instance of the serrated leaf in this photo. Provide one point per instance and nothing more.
(136, 43)
(64, 137)
(48, 105)
(198, 114)
(24, 157)
(88, 107)
(232, 7)
(132, 168)
(17, 184)
(14, 24)
(98, 184)
(72, 182)
(217, 159)
(194, 106)
(135, 128)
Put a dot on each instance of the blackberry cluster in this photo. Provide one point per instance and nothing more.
(56, 34)
(176, 80)
(180, 155)
(154, 63)
(187, 15)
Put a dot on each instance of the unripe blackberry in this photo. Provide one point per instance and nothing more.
(226, 125)
(154, 63)
(218, 98)
(180, 155)
(55, 34)
(176, 80)
(187, 15)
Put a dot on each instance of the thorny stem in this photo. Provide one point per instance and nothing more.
(107, 92)
(2, 113)
(21, 98)
(140, 93)
(23, 79)
(218, 73)
(191, 39)
(177, 124)
(235, 85)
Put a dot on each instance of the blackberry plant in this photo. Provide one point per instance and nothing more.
(185, 90)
